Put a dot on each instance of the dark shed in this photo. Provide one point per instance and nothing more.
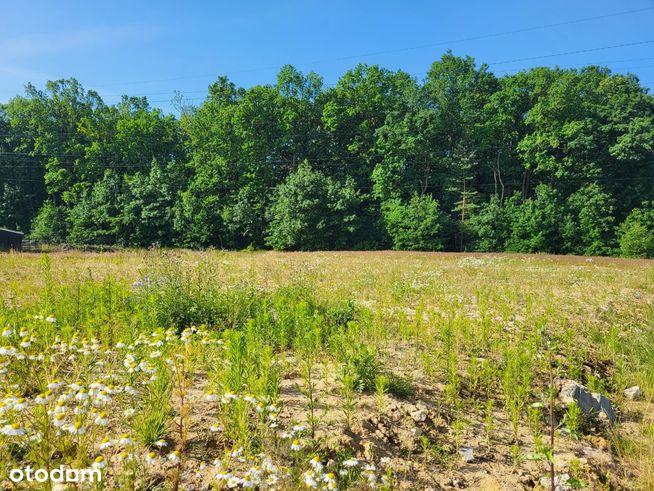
(10, 239)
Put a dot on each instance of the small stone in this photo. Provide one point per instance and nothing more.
(560, 482)
(467, 454)
(634, 393)
(419, 416)
(589, 402)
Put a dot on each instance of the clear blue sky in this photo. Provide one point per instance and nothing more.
(153, 48)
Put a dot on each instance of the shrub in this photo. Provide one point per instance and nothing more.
(311, 211)
(491, 226)
(50, 224)
(417, 225)
(636, 233)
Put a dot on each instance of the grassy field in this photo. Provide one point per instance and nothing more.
(371, 370)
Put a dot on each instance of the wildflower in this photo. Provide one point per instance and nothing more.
(82, 395)
(102, 398)
(54, 385)
(102, 419)
(120, 345)
(228, 397)
(125, 457)
(105, 443)
(160, 443)
(316, 464)
(271, 480)
(50, 319)
(125, 439)
(330, 480)
(173, 457)
(212, 397)
(238, 452)
(14, 429)
(131, 390)
(77, 428)
(59, 420)
(129, 412)
(310, 479)
(7, 333)
(42, 399)
(214, 428)
(385, 461)
(26, 343)
(19, 404)
(351, 462)
(298, 428)
(296, 446)
(151, 458)
(99, 463)
(250, 399)
(233, 481)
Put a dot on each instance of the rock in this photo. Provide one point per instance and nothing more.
(419, 416)
(589, 402)
(467, 454)
(560, 482)
(634, 393)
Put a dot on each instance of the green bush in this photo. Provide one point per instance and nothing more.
(50, 224)
(417, 225)
(636, 233)
(311, 211)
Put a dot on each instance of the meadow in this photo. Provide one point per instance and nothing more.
(174, 369)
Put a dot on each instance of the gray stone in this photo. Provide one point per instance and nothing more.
(633, 393)
(560, 482)
(589, 402)
(419, 416)
(467, 454)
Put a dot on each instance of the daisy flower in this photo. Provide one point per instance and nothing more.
(102, 419)
(173, 457)
(99, 462)
(14, 429)
(296, 446)
(151, 458)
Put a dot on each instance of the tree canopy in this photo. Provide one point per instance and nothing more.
(545, 160)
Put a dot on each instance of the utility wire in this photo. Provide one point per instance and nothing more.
(401, 50)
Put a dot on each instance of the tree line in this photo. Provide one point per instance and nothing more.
(544, 160)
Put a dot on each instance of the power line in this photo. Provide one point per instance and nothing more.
(588, 179)
(401, 50)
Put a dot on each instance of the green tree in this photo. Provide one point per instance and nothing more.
(636, 233)
(311, 211)
(536, 222)
(589, 226)
(50, 224)
(95, 218)
(491, 226)
(415, 225)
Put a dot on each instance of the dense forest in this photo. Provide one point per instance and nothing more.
(545, 160)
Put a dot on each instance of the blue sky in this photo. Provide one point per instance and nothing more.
(154, 48)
